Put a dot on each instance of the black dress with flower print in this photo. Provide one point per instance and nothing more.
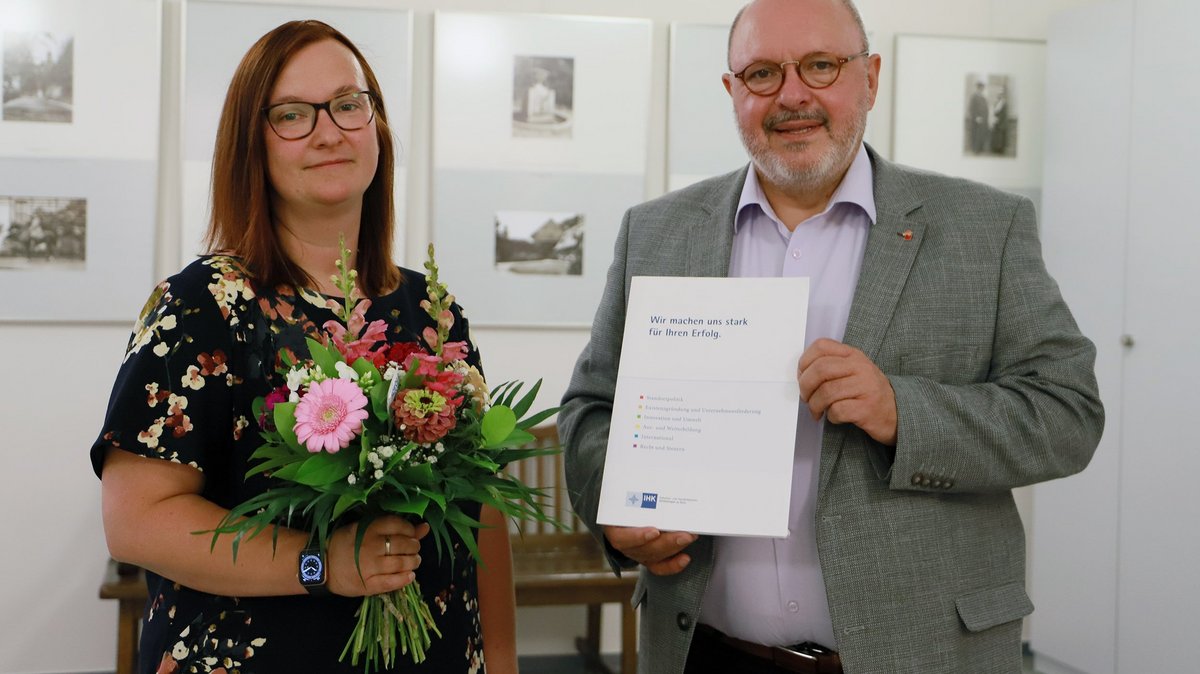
(202, 350)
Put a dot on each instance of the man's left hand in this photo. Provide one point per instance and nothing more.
(841, 382)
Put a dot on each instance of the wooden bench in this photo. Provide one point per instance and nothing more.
(127, 584)
(567, 566)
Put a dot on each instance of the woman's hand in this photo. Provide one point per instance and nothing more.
(389, 556)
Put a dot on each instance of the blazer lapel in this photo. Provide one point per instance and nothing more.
(710, 240)
(892, 246)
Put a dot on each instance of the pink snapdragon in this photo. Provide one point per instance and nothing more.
(368, 335)
(330, 415)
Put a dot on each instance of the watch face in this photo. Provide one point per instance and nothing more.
(312, 570)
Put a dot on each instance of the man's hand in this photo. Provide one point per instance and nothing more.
(840, 382)
(661, 552)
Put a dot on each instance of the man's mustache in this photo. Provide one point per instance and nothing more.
(778, 118)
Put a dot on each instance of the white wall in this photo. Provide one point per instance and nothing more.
(57, 377)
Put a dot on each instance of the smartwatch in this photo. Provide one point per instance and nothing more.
(312, 571)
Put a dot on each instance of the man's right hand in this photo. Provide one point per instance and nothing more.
(661, 552)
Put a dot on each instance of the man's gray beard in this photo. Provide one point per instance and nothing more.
(817, 176)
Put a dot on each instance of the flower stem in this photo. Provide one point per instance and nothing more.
(387, 621)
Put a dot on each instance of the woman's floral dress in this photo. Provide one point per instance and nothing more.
(202, 350)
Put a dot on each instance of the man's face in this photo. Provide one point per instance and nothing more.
(800, 138)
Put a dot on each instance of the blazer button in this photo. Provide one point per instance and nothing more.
(916, 479)
(684, 621)
(937, 484)
(924, 482)
(947, 484)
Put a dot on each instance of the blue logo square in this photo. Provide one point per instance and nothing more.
(649, 500)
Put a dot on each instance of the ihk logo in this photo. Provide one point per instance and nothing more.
(636, 499)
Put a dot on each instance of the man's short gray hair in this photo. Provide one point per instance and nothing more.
(848, 4)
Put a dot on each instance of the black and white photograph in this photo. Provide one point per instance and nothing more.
(543, 96)
(38, 77)
(535, 242)
(43, 232)
(990, 120)
(971, 107)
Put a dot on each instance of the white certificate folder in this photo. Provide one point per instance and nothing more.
(704, 417)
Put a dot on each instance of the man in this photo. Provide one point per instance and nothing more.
(943, 369)
(977, 120)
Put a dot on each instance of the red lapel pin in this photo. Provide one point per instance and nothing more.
(906, 235)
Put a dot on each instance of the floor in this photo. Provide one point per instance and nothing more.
(567, 664)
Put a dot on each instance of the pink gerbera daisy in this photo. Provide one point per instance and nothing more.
(330, 415)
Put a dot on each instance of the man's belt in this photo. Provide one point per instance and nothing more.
(805, 658)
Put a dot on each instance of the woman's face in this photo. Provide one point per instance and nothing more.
(331, 167)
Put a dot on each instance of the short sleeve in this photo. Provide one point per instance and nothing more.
(172, 398)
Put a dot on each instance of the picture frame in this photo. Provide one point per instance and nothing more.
(971, 107)
(218, 34)
(702, 136)
(539, 129)
(78, 158)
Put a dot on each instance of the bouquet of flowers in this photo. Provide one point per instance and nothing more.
(363, 428)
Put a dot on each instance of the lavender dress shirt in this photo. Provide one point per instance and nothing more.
(764, 590)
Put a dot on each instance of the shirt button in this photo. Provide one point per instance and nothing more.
(793, 607)
(796, 253)
(684, 621)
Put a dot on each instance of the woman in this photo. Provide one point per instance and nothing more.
(289, 179)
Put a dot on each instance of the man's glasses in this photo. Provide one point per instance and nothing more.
(817, 70)
(297, 119)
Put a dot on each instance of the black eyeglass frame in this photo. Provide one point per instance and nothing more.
(318, 107)
(839, 60)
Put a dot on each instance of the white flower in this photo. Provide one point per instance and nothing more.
(192, 378)
(387, 452)
(378, 474)
(433, 459)
(351, 478)
(161, 349)
(345, 371)
(150, 436)
(293, 397)
(296, 377)
(167, 322)
(440, 448)
(179, 651)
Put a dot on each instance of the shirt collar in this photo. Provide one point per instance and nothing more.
(857, 188)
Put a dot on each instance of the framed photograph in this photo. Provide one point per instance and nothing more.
(51, 231)
(543, 91)
(39, 76)
(218, 34)
(702, 134)
(78, 158)
(534, 242)
(971, 108)
(557, 110)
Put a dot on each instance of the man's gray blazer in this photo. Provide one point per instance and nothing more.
(921, 546)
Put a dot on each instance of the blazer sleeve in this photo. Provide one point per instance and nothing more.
(1036, 415)
(586, 412)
